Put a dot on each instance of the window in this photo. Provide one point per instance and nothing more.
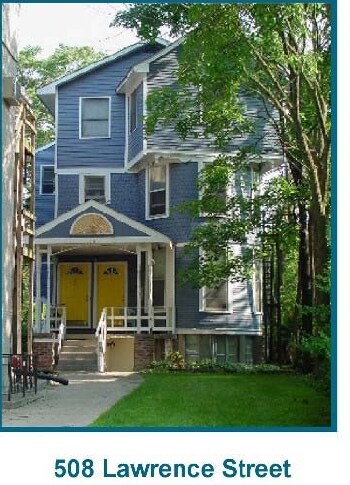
(95, 117)
(47, 179)
(94, 188)
(198, 347)
(133, 111)
(216, 299)
(225, 348)
(157, 191)
(219, 348)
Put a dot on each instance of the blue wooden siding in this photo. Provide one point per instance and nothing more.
(187, 305)
(163, 73)
(44, 204)
(103, 152)
(135, 139)
(129, 198)
(68, 193)
(182, 188)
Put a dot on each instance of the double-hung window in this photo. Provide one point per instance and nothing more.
(216, 299)
(133, 111)
(94, 187)
(95, 117)
(157, 191)
(47, 185)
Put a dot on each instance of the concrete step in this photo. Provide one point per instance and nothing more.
(78, 354)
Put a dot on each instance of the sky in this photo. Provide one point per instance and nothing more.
(75, 24)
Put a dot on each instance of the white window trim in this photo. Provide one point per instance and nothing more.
(41, 180)
(148, 217)
(202, 302)
(109, 117)
(107, 177)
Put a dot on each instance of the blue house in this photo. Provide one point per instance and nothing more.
(109, 240)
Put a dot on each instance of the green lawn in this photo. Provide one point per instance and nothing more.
(220, 400)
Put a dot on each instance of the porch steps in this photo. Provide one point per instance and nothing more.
(78, 354)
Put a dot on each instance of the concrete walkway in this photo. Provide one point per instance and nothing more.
(87, 395)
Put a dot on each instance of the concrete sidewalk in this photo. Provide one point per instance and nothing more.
(87, 395)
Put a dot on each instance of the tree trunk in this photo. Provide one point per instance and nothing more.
(305, 274)
(320, 250)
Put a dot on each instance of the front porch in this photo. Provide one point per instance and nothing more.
(107, 275)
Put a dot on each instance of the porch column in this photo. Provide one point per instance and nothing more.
(48, 289)
(170, 286)
(138, 288)
(150, 285)
(38, 289)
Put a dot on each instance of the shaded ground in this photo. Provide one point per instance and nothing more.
(87, 396)
(215, 400)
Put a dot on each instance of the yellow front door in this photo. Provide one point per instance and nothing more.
(111, 282)
(74, 292)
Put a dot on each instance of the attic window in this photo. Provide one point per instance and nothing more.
(95, 117)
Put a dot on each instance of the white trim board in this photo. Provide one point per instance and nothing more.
(45, 147)
(105, 210)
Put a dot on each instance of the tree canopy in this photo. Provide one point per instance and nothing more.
(279, 54)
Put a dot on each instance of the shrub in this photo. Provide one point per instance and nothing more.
(175, 361)
(314, 356)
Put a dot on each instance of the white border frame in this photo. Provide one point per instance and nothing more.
(41, 180)
(148, 217)
(109, 117)
(107, 185)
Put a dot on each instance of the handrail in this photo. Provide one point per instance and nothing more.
(101, 335)
(119, 319)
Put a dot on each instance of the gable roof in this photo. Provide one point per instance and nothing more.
(128, 230)
(47, 93)
(143, 67)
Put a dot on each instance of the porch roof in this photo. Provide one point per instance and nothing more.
(94, 223)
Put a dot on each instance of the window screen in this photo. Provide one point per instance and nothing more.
(157, 190)
(47, 180)
(216, 298)
(95, 117)
(95, 188)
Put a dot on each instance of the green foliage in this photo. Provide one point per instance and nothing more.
(314, 356)
(176, 362)
(239, 216)
(34, 71)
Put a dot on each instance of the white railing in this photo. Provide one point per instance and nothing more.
(101, 335)
(58, 316)
(127, 319)
(58, 320)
